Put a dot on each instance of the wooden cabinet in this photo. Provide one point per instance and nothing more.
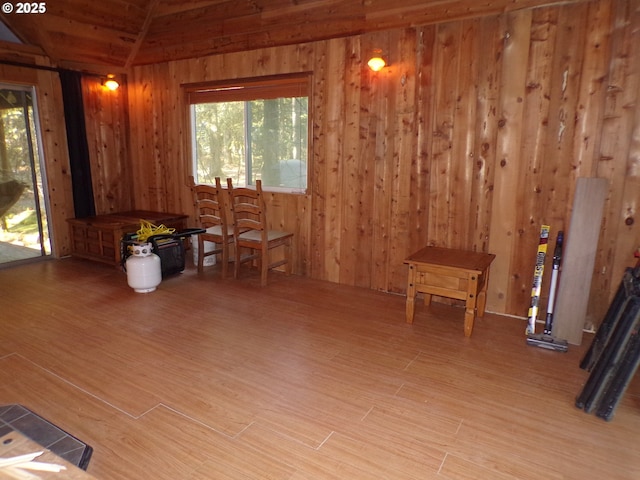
(98, 237)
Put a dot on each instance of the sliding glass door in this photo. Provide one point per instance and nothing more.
(24, 230)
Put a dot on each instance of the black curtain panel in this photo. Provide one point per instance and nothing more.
(83, 201)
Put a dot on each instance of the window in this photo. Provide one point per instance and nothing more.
(251, 129)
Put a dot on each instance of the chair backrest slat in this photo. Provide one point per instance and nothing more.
(248, 207)
(209, 203)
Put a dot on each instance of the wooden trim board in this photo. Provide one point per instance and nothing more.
(579, 259)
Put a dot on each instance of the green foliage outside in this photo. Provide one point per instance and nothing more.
(18, 157)
(253, 140)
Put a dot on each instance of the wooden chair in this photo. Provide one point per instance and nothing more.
(212, 216)
(251, 231)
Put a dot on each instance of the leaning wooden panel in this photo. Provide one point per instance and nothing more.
(579, 258)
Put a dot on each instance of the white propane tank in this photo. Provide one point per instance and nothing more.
(144, 272)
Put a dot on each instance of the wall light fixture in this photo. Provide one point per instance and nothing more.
(376, 62)
(110, 82)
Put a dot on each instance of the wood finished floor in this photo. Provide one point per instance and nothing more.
(213, 379)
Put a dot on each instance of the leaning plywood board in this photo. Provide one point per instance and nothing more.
(579, 259)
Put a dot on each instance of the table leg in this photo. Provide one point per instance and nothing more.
(470, 312)
(482, 296)
(469, 319)
(411, 294)
(427, 299)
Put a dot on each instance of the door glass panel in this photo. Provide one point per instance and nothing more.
(23, 221)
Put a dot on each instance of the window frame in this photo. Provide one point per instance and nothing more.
(248, 89)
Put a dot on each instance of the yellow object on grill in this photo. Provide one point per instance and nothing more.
(148, 229)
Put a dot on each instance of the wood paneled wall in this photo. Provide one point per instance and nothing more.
(472, 137)
(107, 124)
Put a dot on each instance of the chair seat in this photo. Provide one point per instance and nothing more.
(217, 230)
(255, 236)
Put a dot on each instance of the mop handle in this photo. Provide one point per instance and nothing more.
(557, 259)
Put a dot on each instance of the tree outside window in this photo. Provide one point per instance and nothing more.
(236, 135)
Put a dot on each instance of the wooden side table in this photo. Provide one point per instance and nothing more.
(450, 273)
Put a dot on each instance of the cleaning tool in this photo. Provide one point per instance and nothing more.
(537, 278)
(546, 340)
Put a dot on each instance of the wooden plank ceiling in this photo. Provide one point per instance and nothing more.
(122, 33)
